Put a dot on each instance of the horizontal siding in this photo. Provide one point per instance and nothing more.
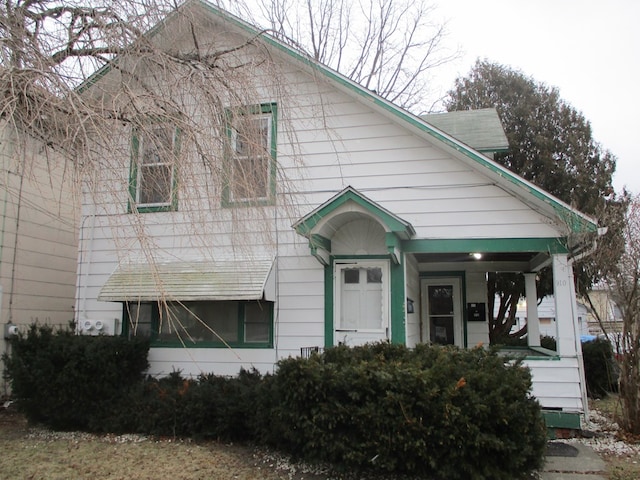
(327, 141)
(39, 234)
(556, 383)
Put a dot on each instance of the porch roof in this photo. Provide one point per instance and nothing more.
(316, 221)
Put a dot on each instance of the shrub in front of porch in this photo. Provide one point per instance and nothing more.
(434, 411)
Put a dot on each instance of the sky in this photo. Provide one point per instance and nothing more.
(588, 49)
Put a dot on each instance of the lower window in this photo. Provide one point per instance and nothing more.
(221, 323)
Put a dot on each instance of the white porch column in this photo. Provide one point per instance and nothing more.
(533, 322)
(565, 305)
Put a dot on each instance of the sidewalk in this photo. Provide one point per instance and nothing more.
(572, 461)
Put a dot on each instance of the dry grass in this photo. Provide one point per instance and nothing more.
(39, 454)
(623, 466)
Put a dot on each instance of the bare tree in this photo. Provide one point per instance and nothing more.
(147, 116)
(388, 46)
(624, 282)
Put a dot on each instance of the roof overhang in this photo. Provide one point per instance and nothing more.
(349, 205)
(572, 221)
(247, 279)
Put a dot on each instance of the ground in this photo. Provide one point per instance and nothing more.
(35, 453)
(620, 452)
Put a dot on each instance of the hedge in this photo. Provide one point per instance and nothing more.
(435, 412)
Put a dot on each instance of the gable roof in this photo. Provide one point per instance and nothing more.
(390, 221)
(532, 195)
(481, 129)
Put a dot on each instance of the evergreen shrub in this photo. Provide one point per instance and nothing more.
(600, 368)
(210, 406)
(68, 381)
(439, 412)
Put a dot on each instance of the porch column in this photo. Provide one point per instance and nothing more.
(533, 322)
(565, 305)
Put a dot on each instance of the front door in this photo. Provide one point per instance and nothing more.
(361, 302)
(442, 311)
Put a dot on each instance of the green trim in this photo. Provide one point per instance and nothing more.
(485, 245)
(306, 224)
(554, 419)
(132, 206)
(328, 304)
(398, 303)
(462, 275)
(318, 241)
(240, 343)
(541, 353)
(257, 109)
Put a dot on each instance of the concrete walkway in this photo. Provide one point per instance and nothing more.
(568, 464)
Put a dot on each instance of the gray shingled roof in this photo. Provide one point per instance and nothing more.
(480, 129)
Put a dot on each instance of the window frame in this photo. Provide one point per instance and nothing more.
(241, 323)
(137, 142)
(269, 110)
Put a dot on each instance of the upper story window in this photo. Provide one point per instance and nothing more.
(153, 168)
(251, 160)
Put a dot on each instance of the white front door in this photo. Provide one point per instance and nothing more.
(442, 311)
(361, 310)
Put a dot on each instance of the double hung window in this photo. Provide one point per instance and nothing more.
(153, 172)
(252, 154)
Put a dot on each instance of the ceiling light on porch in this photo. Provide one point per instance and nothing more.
(476, 255)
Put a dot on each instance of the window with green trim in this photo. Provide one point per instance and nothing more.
(153, 170)
(251, 157)
(237, 323)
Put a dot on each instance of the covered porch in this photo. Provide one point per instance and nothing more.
(384, 283)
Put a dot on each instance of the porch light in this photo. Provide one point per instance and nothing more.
(477, 255)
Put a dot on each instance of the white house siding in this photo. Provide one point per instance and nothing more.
(477, 332)
(556, 383)
(326, 141)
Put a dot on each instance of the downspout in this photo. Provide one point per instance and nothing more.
(82, 289)
(16, 235)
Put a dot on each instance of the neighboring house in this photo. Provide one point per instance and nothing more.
(384, 231)
(38, 235)
(547, 317)
(605, 313)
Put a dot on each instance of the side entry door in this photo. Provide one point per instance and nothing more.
(361, 294)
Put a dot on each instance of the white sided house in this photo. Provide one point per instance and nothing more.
(367, 224)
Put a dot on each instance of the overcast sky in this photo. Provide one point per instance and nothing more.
(588, 49)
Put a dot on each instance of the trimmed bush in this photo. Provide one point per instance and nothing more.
(210, 407)
(67, 381)
(434, 411)
(600, 368)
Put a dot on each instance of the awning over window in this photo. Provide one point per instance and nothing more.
(221, 280)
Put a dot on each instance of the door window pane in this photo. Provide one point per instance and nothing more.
(374, 275)
(442, 330)
(351, 275)
(440, 300)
